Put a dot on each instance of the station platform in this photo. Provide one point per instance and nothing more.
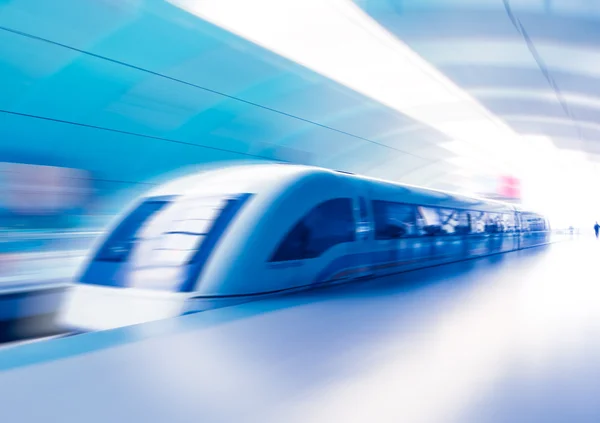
(508, 338)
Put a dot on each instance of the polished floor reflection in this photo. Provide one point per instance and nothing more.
(512, 338)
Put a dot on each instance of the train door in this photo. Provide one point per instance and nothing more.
(288, 265)
(478, 239)
(395, 232)
(527, 231)
(511, 234)
(360, 252)
(424, 247)
(494, 229)
(453, 223)
(404, 242)
(517, 244)
(328, 235)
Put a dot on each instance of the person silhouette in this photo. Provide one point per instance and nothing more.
(596, 229)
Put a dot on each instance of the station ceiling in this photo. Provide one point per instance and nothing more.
(132, 90)
(533, 63)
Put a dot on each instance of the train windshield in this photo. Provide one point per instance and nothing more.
(164, 244)
(122, 241)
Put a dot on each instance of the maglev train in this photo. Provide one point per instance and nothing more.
(243, 232)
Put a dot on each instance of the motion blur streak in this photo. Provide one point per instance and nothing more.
(42, 228)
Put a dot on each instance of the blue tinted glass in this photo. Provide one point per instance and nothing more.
(458, 223)
(533, 222)
(118, 246)
(393, 220)
(430, 215)
(224, 218)
(493, 223)
(328, 224)
(294, 245)
(186, 250)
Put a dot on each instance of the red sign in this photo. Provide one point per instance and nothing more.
(509, 187)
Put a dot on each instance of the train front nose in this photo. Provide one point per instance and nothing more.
(93, 307)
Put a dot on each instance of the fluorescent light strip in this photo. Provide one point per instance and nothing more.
(511, 53)
(544, 95)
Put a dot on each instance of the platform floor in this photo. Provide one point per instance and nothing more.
(511, 338)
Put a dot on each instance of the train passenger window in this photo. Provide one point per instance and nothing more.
(328, 224)
(493, 223)
(394, 220)
(463, 222)
(533, 223)
(430, 215)
(478, 222)
(449, 221)
(454, 222)
(431, 220)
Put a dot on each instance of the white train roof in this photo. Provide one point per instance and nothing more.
(437, 198)
(234, 179)
(253, 178)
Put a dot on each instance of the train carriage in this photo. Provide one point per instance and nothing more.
(243, 232)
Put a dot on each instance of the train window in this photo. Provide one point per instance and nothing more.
(431, 220)
(533, 223)
(394, 220)
(445, 221)
(192, 245)
(293, 246)
(463, 225)
(430, 215)
(448, 220)
(493, 223)
(328, 224)
(123, 239)
(455, 222)
(156, 234)
(478, 222)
